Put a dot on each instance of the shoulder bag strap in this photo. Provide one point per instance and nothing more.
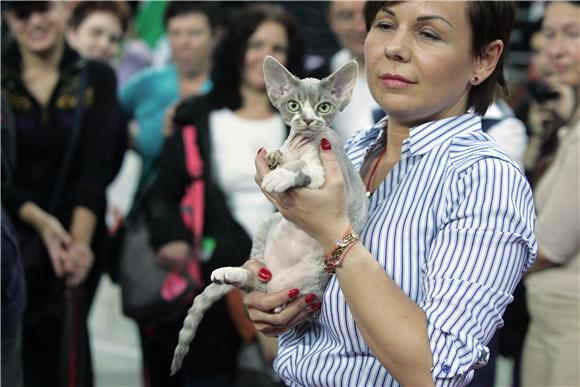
(193, 203)
(73, 139)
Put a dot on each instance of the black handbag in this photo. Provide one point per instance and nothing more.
(151, 293)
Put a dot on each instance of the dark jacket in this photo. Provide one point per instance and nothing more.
(216, 344)
(42, 136)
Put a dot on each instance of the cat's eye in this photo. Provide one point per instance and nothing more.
(293, 106)
(324, 107)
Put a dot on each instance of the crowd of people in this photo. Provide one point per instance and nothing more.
(474, 196)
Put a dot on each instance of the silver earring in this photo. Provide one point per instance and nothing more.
(474, 79)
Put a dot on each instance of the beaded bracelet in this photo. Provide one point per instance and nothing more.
(333, 258)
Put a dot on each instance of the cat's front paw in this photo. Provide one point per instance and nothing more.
(279, 180)
(235, 276)
(274, 159)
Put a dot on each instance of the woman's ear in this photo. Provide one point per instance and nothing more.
(486, 63)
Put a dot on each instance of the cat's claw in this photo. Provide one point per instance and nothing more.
(279, 180)
(235, 276)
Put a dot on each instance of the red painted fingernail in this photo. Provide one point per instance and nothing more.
(265, 274)
(260, 150)
(316, 306)
(309, 298)
(293, 293)
(325, 144)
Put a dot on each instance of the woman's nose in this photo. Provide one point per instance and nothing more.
(396, 48)
(554, 46)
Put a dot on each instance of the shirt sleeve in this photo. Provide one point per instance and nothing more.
(129, 96)
(163, 200)
(484, 246)
(97, 143)
(558, 228)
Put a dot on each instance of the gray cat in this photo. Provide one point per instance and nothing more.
(294, 258)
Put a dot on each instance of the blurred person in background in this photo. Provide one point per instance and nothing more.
(97, 28)
(150, 95)
(41, 78)
(149, 98)
(13, 281)
(102, 30)
(550, 104)
(232, 121)
(552, 346)
(346, 21)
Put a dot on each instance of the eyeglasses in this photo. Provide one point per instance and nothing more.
(23, 10)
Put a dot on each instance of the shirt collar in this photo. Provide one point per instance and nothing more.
(424, 137)
(429, 135)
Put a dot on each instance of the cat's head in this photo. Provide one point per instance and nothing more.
(309, 105)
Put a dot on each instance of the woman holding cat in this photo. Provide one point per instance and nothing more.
(232, 121)
(449, 231)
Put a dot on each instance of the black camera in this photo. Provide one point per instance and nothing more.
(542, 92)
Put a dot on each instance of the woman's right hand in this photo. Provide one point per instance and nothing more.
(174, 255)
(260, 306)
(56, 240)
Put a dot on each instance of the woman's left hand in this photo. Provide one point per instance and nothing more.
(321, 213)
(77, 263)
(259, 305)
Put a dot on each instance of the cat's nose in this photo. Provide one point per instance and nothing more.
(308, 120)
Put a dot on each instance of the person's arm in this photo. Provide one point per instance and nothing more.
(54, 236)
(484, 245)
(94, 149)
(169, 236)
(558, 225)
(393, 326)
(542, 263)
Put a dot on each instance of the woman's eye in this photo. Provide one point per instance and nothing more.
(429, 35)
(384, 26)
(324, 107)
(293, 106)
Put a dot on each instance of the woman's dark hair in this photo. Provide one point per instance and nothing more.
(83, 9)
(180, 8)
(230, 54)
(489, 20)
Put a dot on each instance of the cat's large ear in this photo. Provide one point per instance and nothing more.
(341, 83)
(279, 81)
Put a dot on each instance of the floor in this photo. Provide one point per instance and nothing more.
(115, 343)
(114, 339)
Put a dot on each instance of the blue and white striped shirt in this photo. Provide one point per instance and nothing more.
(452, 224)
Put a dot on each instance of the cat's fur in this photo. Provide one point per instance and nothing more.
(293, 257)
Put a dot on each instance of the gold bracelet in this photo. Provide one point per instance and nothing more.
(333, 258)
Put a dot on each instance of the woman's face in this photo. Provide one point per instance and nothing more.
(192, 41)
(419, 61)
(98, 36)
(269, 39)
(561, 30)
(39, 31)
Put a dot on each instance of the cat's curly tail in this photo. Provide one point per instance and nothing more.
(211, 294)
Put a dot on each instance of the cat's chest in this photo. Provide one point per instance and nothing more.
(301, 149)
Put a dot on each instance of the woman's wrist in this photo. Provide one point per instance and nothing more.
(33, 215)
(336, 231)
